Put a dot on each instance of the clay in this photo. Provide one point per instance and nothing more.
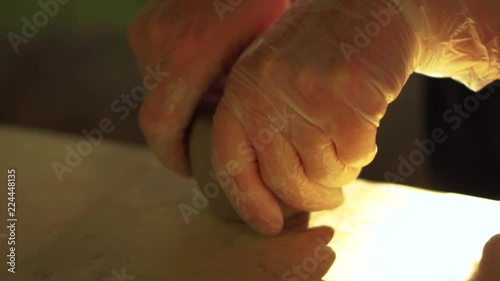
(200, 146)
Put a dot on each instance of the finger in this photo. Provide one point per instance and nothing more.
(353, 133)
(319, 155)
(250, 197)
(359, 102)
(280, 166)
(364, 84)
(281, 170)
(344, 94)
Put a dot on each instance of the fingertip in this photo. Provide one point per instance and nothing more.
(244, 188)
(357, 159)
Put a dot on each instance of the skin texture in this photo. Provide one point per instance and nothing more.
(333, 100)
(200, 146)
(188, 40)
(304, 96)
(332, 109)
(457, 39)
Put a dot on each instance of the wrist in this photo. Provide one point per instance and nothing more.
(457, 39)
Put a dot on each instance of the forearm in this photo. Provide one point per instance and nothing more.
(458, 39)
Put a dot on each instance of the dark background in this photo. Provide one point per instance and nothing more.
(67, 76)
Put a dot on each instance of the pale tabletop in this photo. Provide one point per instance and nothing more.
(115, 217)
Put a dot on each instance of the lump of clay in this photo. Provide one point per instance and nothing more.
(200, 146)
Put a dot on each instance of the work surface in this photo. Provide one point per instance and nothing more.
(115, 216)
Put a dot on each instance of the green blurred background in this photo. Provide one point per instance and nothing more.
(66, 77)
(80, 14)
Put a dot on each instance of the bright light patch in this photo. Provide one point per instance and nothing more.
(407, 234)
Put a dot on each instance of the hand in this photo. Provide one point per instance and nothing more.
(303, 103)
(190, 46)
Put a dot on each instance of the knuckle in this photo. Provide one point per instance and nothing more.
(250, 79)
(260, 61)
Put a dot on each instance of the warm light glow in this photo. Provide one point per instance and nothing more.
(408, 234)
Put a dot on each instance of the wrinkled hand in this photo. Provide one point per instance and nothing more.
(184, 49)
(303, 103)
